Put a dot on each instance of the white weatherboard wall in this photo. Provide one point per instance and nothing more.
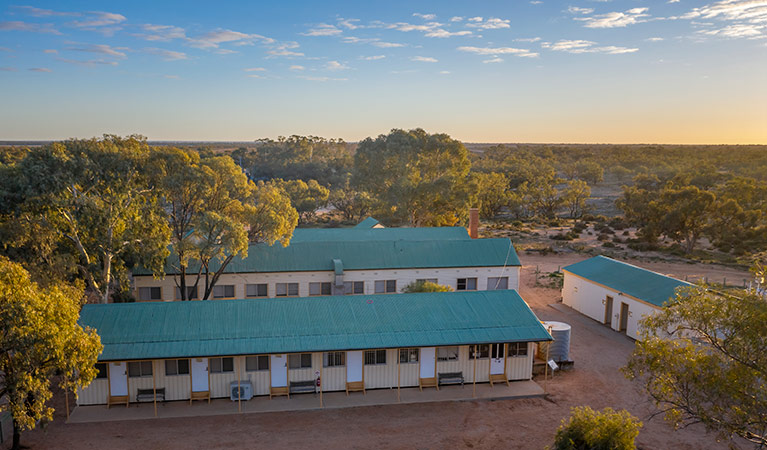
(587, 298)
(177, 387)
(446, 276)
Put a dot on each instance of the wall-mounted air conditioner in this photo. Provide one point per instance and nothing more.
(244, 391)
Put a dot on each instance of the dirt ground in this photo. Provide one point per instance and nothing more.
(598, 353)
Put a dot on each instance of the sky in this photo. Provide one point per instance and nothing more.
(581, 71)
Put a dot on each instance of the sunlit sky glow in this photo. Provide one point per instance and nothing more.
(620, 71)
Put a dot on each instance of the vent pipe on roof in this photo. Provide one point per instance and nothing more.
(473, 223)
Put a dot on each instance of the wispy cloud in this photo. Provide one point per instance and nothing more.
(492, 23)
(323, 29)
(97, 19)
(349, 24)
(286, 49)
(496, 51)
(456, 19)
(164, 33)
(254, 69)
(40, 69)
(373, 58)
(90, 62)
(321, 79)
(428, 59)
(583, 46)
(297, 67)
(577, 10)
(215, 38)
(39, 12)
(748, 18)
(8, 69)
(117, 52)
(51, 51)
(425, 16)
(28, 27)
(440, 33)
(167, 55)
(493, 60)
(616, 19)
(377, 42)
(335, 65)
(654, 39)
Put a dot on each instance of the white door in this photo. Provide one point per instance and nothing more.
(496, 359)
(278, 364)
(353, 366)
(427, 362)
(118, 379)
(200, 375)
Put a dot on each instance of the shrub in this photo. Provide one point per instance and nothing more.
(619, 223)
(643, 246)
(626, 233)
(597, 430)
(608, 244)
(425, 286)
(603, 237)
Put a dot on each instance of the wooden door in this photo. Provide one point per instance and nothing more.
(624, 325)
(608, 311)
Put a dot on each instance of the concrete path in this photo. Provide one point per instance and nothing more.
(303, 402)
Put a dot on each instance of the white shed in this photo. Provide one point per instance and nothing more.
(616, 293)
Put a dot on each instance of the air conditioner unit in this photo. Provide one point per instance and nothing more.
(242, 391)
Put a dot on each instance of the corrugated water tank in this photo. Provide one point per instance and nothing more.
(560, 348)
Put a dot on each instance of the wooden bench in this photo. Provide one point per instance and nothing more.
(117, 400)
(297, 387)
(450, 378)
(148, 395)
(355, 386)
(201, 395)
(278, 391)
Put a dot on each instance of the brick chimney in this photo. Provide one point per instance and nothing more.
(473, 222)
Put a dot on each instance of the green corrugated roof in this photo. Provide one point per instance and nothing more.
(243, 327)
(367, 223)
(378, 234)
(369, 255)
(641, 283)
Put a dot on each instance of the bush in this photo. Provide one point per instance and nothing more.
(640, 246)
(626, 233)
(425, 286)
(619, 223)
(597, 430)
(603, 237)
(608, 244)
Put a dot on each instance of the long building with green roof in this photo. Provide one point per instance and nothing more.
(193, 350)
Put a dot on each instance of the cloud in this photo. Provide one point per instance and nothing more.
(456, 19)
(97, 19)
(163, 33)
(321, 79)
(381, 44)
(348, 23)
(8, 69)
(215, 38)
(323, 29)
(373, 58)
(39, 12)
(117, 52)
(440, 33)
(28, 27)
(51, 51)
(39, 69)
(254, 69)
(297, 67)
(335, 65)
(577, 10)
(5, 49)
(496, 51)
(492, 23)
(536, 2)
(583, 46)
(615, 19)
(404, 26)
(372, 41)
(428, 59)
(425, 16)
(741, 30)
(748, 17)
(225, 51)
(172, 77)
(444, 72)
(167, 55)
(91, 62)
(494, 60)
(654, 39)
(533, 39)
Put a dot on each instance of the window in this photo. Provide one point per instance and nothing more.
(373, 357)
(354, 287)
(426, 280)
(221, 365)
(467, 284)
(140, 369)
(385, 286)
(496, 351)
(300, 360)
(256, 363)
(147, 294)
(408, 355)
(223, 291)
(518, 349)
(482, 349)
(176, 367)
(319, 288)
(333, 359)
(256, 290)
(191, 293)
(286, 290)
(497, 283)
(102, 370)
(447, 353)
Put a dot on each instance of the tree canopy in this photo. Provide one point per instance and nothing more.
(702, 359)
(39, 339)
(597, 430)
(418, 178)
